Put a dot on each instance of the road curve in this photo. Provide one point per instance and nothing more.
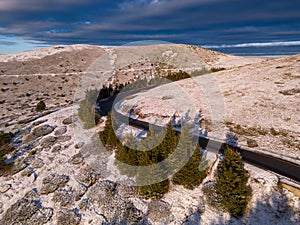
(264, 161)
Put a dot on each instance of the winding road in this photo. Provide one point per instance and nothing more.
(280, 166)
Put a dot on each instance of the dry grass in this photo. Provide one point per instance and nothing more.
(246, 131)
(292, 189)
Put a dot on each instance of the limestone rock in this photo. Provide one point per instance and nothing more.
(80, 191)
(63, 197)
(4, 188)
(64, 138)
(126, 191)
(48, 142)
(60, 131)
(68, 217)
(112, 206)
(18, 167)
(56, 148)
(79, 145)
(37, 163)
(87, 176)
(27, 172)
(27, 212)
(52, 182)
(76, 159)
(29, 138)
(42, 130)
(36, 123)
(159, 211)
(102, 192)
(69, 120)
(83, 204)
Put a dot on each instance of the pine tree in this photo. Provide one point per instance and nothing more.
(168, 145)
(146, 155)
(86, 111)
(41, 106)
(231, 183)
(188, 151)
(154, 191)
(190, 176)
(5, 148)
(155, 157)
(108, 136)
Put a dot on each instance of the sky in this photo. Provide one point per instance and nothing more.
(230, 25)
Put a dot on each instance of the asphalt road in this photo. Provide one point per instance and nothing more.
(264, 161)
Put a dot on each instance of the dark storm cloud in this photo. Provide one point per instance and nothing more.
(119, 22)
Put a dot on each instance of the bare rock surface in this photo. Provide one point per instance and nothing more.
(37, 163)
(60, 131)
(4, 188)
(28, 210)
(52, 182)
(42, 130)
(113, 207)
(68, 217)
(87, 176)
(160, 211)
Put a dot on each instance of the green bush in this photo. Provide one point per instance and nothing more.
(177, 76)
(5, 148)
(213, 70)
(252, 143)
(190, 175)
(231, 183)
(108, 136)
(86, 111)
(154, 191)
(143, 158)
(41, 106)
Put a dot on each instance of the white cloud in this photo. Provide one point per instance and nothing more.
(263, 44)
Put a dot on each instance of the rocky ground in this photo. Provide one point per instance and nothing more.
(52, 183)
(53, 180)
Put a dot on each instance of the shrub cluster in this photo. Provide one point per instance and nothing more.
(86, 111)
(189, 175)
(5, 148)
(41, 106)
(178, 76)
(231, 183)
(216, 69)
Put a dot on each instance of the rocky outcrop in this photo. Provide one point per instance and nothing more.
(68, 217)
(42, 130)
(79, 193)
(37, 132)
(52, 182)
(113, 207)
(4, 188)
(159, 211)
(87, 175)
(63, 197)
(60, 131)
(48, 141)
(27, 211)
